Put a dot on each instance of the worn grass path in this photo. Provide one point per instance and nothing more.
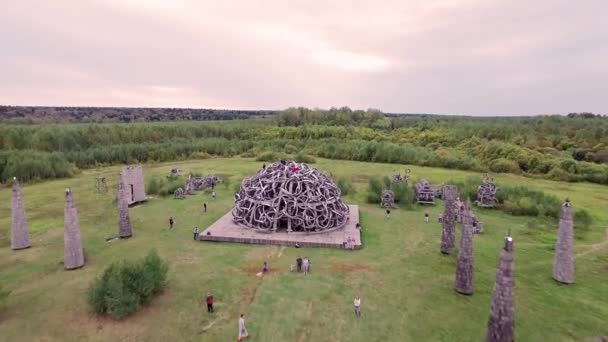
(405, 284)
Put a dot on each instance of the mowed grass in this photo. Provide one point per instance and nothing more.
(405, 284)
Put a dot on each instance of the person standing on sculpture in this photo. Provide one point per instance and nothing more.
(209, 303)
(196, 232)
(299, 263)
(242, 329)
(171, 222)
(357, 303)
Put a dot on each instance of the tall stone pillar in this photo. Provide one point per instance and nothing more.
(20, 238)
(448, 222)
(124, 223)
(464, 268)
(501, 323)
(563, 266)
(73, 256)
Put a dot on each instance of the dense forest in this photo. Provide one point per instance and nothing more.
(31, 114)
(567, 148)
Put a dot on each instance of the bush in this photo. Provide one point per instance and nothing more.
(164, 186)
(271, 156)
(125, 286)
(582, 219)
(374, 190)
(503, 165)
(346, 187)
(304, 158)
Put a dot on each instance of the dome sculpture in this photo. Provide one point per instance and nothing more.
(291, 196)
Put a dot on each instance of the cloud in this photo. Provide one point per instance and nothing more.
(444, 56)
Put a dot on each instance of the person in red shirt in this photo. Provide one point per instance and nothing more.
(209, 302)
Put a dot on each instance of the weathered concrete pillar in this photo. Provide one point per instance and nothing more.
(73, 256)
(448, 223)
(563, 266)
(501, 322)
(464, 268)
(20, 238)
(124, 223)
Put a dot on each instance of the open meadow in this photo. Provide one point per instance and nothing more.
(406, 285)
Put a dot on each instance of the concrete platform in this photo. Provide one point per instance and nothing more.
(226, 230)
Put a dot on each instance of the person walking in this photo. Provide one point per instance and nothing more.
(265, 267)
(242, 329)
(305, 264)
(209, 303)
(426, 216)
(205, 207)
(213, 195)
(357, 303)
(196, 232)
(299, 263)
(388, 214)
(171, 222)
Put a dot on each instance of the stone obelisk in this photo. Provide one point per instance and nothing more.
(563, 266)
(464, 268)
(501, 322)
(73, 255)
(20, 238)
(124, 223)
(448, 222)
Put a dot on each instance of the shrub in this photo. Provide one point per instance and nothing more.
(582, 219)
(374, 190)
(304, 158)
(124, 286)
(346, 187)
(503, 165)
(271, 156)
(164, 186)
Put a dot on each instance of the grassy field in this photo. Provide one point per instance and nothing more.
(405, 284)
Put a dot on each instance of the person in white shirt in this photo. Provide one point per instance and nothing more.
(357, 303)
(242, 329)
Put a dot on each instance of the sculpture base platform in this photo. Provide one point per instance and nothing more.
(226, 230)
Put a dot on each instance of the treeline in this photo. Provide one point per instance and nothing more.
(32, 114)
(560, 148)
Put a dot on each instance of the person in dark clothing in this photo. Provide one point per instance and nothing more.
(265, 267)
(263, 166)
(388, 214)
(204, 207)
(196, 232)
(210, 303)
(299, 263)
(171, 222)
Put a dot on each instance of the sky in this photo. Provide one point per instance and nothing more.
(474, 57)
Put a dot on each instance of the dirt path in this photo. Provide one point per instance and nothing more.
(595, 247)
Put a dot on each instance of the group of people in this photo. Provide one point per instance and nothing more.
(349, 243)
(302, 265)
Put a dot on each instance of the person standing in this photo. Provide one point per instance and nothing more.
(299, 263)
(265, 267)
(171, 222)
(196, 232)
(204, 207)
(242, 329)
(305, 264)
(426, 216)
(357, 303)
(213, 195)
(209, 303)
(388, 213)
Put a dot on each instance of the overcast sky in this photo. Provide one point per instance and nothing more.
(478, 57)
